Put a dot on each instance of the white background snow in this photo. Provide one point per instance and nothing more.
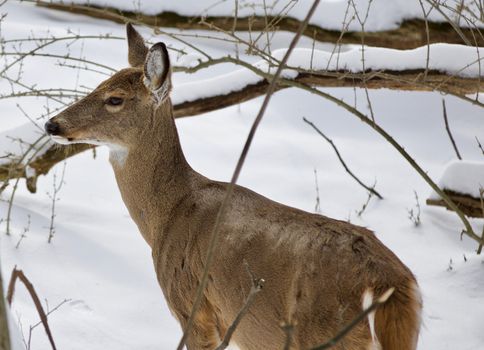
(100, 262)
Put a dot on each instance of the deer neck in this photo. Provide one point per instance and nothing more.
(152, 173)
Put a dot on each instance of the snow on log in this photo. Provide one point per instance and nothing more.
(463, 181)
(391, 23)
(452, 60)
(382, 15)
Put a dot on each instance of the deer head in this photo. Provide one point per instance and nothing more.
(121, 107)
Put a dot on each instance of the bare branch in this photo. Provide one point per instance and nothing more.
(56, 187)
(317, 206)
(341, 334)
(343, 163)
(444, 109)
(480, 146)
(256, 287)
(414, 216)
(18, 274)
(481, 194)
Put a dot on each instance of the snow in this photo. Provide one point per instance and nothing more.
(99, 262)
(223, 84)
(464, 177)
(456, 60)
(330, 14)
(24, 143)
(447, 58)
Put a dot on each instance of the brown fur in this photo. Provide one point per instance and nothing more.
(395, 325)
(316, 268)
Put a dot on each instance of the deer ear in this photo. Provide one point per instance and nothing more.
(157, 71)
(136, 47)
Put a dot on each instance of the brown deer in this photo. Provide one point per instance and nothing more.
(319, 272)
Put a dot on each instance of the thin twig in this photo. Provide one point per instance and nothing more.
(414, 216)
(481, 195)
(317, 206)
(56, 189)
(427, 33)
(448, 130)
(368, 188)
(450, 21)
(256, 287)
(360, 212)
(18, 274)
(235, 176)
(480, 146)
(341, 334)
(24, 233)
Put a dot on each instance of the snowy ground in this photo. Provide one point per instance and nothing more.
(100, 263)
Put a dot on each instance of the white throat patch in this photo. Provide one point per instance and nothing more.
(117, 154)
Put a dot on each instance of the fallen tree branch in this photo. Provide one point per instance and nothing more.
(18, 274)
(470, 206)
(404, 80)
(368, 188)
(410, 34)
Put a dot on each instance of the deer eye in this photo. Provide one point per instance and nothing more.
(114, 101)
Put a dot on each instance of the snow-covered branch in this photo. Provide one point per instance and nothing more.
(396, 26)
(457, 73)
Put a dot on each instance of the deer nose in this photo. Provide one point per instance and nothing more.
(52, 128)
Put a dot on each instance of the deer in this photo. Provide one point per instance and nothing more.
(320, 273)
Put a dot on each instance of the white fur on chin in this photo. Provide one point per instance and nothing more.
(117, 153)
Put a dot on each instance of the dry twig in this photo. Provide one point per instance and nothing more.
(341, 334)
(414, 216)
(317, 206)
(480, 146)
(18, 274)
(343, 163)
(256, 286)
(444, 109)
(481, 194)
(56, 187)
